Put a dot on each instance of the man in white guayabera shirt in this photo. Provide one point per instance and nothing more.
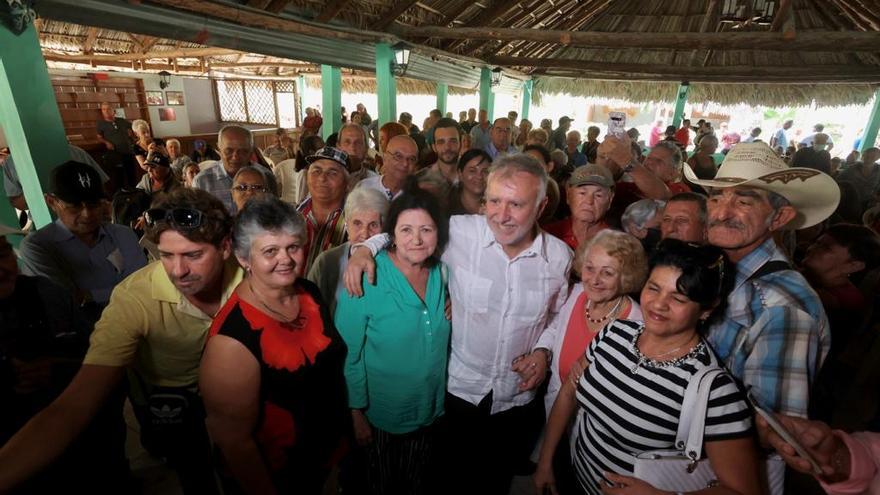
(507, 278)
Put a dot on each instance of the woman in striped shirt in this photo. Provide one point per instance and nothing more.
(629, 398)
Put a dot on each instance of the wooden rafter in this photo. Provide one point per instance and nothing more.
(537, 24)
(805, 41)
(709, 20)
(276, 6)
(869, 78)
(575, 24)
(258, 4)
(331, 10)
(89, 43)
(783, 12)
(148, 42)
(739, 72)
(389, 17)
(863, 18)
(183, 53)
(498, 9)
(525, 11)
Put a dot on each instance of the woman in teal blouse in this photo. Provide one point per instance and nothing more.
(398, 339)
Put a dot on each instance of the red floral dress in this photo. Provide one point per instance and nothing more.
(304, 416)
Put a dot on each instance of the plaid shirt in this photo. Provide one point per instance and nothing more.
(321, 238)
(216, 181)
(774, 334)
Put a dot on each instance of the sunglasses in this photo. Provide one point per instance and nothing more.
(186, 218)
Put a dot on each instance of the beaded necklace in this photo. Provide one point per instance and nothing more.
(642, 360)
(607, 315)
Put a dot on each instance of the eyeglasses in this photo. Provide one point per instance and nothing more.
(186, 218)
(400, 157)
(249, 187)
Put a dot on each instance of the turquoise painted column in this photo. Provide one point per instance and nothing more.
(386, 85)
(487, 97)
(870, 135)
(331, 99)
(680, 100)
(442, 94)
(30, 118)
(526, 98)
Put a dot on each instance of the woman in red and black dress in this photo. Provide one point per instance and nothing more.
(272, 373)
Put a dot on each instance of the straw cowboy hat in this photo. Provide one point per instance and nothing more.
(812, 193)
(7, 230)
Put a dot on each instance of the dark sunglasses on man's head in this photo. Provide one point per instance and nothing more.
(187, 218)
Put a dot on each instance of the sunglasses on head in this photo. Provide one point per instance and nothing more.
(187, 218)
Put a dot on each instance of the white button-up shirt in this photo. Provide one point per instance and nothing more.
(500, 308)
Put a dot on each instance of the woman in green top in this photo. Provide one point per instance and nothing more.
(398, 339)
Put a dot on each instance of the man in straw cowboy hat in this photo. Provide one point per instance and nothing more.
(773, 335)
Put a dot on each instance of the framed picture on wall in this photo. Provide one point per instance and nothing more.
(154, 98)
(174, 97)
(167, 115)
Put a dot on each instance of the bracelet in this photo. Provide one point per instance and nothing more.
(547, 353)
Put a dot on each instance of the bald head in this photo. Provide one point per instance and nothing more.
(401, 157)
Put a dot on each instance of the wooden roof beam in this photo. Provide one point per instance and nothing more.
(851, 78)
(148, 42)
(686, 73)
(528, 11)
(498, 9)
(860, 16)
(276, 6)
(805, 41)
(331, 10)
(783, 13)
(575, 24)
(258, 4)
(389, 17)
(89, 43)
(183, 53)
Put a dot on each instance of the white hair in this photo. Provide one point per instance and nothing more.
(239, 129)
(638, 214)
(366, 199)
(140, 126)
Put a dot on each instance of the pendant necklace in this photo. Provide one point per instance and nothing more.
(279, 315)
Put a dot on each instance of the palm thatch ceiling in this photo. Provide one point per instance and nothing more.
(575, 45)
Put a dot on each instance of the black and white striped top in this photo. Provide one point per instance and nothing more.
(622, 414)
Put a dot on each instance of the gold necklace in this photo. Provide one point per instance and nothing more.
(607, 315)
(279, 315)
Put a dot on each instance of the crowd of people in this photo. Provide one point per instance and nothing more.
(439, 310)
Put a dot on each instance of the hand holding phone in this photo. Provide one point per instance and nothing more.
(616, 124)
(787, 436)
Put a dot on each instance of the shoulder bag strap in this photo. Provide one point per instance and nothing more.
(694, 446)
(689, 406)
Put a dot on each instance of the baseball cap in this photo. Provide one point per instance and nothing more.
(329, 153)
(157, 160)
(564, 119)
(591, 174)
(75, 182)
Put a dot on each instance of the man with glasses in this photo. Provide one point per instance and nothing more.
(80, 250)
(499, 139)
(236, 145)
(327, 178)
(155, 329)
(399, 162)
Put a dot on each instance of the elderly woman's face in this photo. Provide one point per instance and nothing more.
(362, 225)
(415, 236)
(277, 259)
(667, 311)
(601, 275)
(589, 203)
(246, 186)
(173, 149)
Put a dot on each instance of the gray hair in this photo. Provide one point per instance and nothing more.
(435, 181)
(677, 158)
(507, 165)
(268, 177)
(236, 128)
(262, 215)
(366, 199)
(352, 127)
(559, 158)
(172, 140)
(140, 125)
(638, 214)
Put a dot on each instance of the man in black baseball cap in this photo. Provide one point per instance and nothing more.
(80, 250)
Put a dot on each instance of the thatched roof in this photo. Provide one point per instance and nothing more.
(574, 45)
(405, 86)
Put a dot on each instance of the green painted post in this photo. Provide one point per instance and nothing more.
(680, 100)
(29, 116)
(442, 94)
(487, 97)
(869, 138)
(526, 98)
(331, 99)
(386, 85)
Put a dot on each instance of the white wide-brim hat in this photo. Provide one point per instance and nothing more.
(6, 230)
(812, 193)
